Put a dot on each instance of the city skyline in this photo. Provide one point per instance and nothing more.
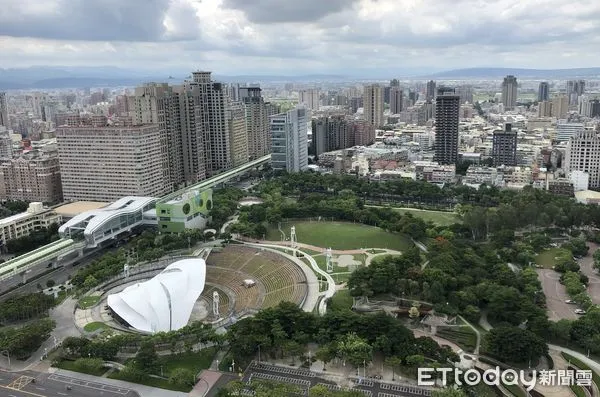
(282, 37)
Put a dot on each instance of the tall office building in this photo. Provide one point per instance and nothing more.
(33, 176)
(560, 106)
(430, 90)
(6, 149)
(290, 140)
(373, 104)
(396, 100)
(582, 155)
(575, 89)
(4, 110)
(238, 133)
(156, 103)
(509, 92)
(310, 98)
(504, 146)
(394, 83)
(447, 109)
(543, 91)
(257, 122)
(99, 162)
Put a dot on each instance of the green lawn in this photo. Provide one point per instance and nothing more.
(546, 258)
(152, 382)
(442, 218)
(88, 301)
(96, 325)
(340, 301)
(194, 361)
(341, 235)
(70, 366)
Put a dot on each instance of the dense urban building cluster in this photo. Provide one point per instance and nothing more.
(103, 144)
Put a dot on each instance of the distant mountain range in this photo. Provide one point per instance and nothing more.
(47, 77)
(483, 73)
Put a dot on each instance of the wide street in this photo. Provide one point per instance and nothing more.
(556, 296)
(29, 383)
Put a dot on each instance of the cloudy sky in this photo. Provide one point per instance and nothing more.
(300, 36)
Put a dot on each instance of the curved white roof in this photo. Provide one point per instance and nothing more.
(95, 218)
(165, 302)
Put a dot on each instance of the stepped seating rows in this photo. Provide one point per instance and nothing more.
(224, 304)
(244, 297)
(282, 279)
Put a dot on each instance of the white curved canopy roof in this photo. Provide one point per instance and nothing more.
(165, 302)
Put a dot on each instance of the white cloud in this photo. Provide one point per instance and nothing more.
(289, 37)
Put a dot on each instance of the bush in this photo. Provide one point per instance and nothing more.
(50, 283)
(89, 365)
(132, 374)
(182, 377)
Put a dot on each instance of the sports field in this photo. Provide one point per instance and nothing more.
(341, 235)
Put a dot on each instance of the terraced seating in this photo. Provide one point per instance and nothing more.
(282, 279)
(224, 304)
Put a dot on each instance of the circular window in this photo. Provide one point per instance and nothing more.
(186, 209)
(209, 204)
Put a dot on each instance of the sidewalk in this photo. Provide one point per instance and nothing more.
(143, 391)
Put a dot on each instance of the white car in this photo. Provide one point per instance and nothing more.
(570, 302)
(579, 311)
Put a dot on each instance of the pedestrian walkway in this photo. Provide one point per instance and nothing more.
(142, 390)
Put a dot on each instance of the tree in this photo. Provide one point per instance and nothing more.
(325, 354)
(182, 377)
(355, 350)
(50, 283)
(394, 362)
(413, 313)
(513, 344)
(146, 358)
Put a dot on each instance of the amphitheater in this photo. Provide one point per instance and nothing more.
(277, 279)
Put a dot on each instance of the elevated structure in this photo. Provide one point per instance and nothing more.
(97, 226)
(38, 256)
(163, 303)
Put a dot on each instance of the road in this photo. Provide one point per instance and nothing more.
(587, 267)
(52, 385)
(555, 296)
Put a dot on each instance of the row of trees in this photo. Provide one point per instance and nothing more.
(286, 330)
(25, 307)
(12, 207)
(21, 342)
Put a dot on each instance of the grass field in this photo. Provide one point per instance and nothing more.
(340, 301)
(581, 365)
(152, 382)
(438, 217)
(463, 336)
(194, 361)
(96, 325)
(546, 258)
(88, 301)
(70, 366)
(341, 235)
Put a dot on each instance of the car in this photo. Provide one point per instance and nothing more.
(579, 311)
(570, 301)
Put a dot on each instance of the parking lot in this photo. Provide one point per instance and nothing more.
(305, 379)
(556, 296)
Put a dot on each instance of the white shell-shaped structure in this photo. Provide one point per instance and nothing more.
(165, 302)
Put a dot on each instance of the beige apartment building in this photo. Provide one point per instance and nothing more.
(33, 176)
(373, 104)
(238, 134)
(21, 225)
(101, 162)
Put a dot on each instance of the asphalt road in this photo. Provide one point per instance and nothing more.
(49, 385)
(586, 263)
(556, 296)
